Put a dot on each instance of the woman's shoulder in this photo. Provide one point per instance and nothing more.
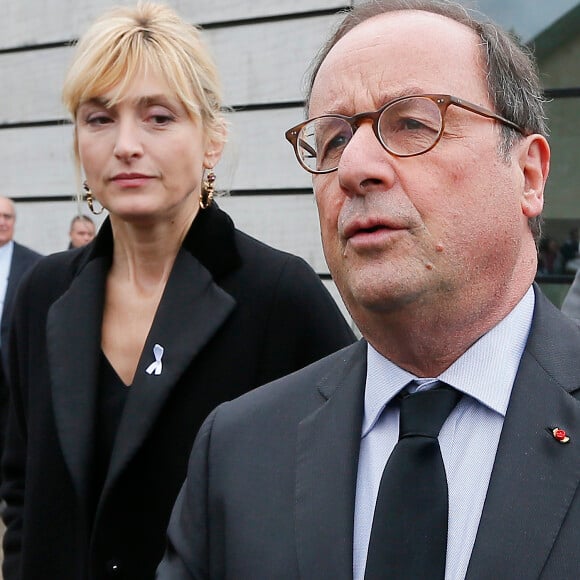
(252, 249)
(245, 265)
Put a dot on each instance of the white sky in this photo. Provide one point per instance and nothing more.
(527, 17)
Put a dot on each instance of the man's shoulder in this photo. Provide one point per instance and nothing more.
(302, 390)
(23, 260)
(548, 320)
(554, 342)
(24, 252)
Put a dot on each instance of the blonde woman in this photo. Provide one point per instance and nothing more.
(121, 348)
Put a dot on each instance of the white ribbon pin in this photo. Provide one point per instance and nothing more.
(156, 366)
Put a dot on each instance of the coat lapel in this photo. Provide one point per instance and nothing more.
(535, 477)
(73, 343)
(191, 311)
(327, 461)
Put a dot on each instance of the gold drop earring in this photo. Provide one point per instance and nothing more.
(207, 190)
(90, 200)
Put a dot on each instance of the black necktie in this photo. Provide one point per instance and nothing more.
(409, 534)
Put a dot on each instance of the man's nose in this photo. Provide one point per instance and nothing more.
(365, 163)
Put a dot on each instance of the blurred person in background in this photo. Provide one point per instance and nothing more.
(15, 261)
(549, 257)
(121, 349)
(82, 231)
(571, 303)
(570, 251)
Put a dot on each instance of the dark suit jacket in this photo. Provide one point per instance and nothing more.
(23, 259)
(271, 483)
(235, 313)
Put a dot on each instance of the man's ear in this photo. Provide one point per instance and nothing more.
(535, 165)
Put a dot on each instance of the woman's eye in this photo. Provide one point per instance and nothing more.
(98, 119)
(160, 118)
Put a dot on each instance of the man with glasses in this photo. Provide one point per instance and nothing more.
(443, 444)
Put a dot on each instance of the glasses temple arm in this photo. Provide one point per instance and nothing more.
(304, 145)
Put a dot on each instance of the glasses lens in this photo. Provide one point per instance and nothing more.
(410, 126)
(322, 141)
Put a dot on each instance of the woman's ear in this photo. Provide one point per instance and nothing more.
(535, 165)
(215, 146)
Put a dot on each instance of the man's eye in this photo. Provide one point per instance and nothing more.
(336, 142)
(410, 124)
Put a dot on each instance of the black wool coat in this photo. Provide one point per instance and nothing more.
(235, 314)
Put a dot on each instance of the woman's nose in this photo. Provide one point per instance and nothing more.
(128, 142)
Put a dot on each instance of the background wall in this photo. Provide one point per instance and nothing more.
(262, 48)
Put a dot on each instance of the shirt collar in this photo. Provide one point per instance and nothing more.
(7, 248)
(486, 371)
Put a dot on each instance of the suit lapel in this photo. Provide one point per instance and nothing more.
(73, 343)
(191, 311)
(535, 477)
(327, 461)
(19, 264)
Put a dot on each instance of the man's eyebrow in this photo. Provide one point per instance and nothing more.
(384, 97)
(400, 92)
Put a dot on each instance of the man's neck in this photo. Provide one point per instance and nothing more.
(425, 341)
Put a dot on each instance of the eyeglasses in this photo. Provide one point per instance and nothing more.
(405, 127)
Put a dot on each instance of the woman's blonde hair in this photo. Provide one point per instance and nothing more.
(127, 41)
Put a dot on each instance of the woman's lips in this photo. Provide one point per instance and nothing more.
(131, 179)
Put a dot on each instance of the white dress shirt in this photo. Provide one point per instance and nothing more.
(484, 374)
(5, 261)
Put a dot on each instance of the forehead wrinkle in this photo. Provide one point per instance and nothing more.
(366, 47)
(340, 102)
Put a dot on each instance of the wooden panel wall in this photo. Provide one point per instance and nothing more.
(262, 49)
(37, 22)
